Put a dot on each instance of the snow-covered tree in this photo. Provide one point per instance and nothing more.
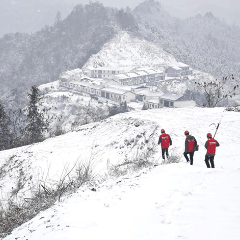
(5, 132)
(37, 124)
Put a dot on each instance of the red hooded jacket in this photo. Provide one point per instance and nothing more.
(190, 143)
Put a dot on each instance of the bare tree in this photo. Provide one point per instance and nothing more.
(216, 91)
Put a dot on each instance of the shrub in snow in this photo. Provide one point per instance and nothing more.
(140, 161)
(43, 196)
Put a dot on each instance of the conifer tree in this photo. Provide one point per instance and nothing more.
(36, 122)
(5, 132)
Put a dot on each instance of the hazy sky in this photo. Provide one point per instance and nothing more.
(227, 9)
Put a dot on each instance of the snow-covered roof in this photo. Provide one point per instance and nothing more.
(104, 68)
(141, 73)
(149, 93)
(169, 96)
(89, 68)
(128, 87)
(150, 71)
(85, 84)
(114, 90)
(109, 68)
(175, 67)
(153, 100)
(54, 84)
(122, 76)
(180, 64)
(132, 74)
(67, 74)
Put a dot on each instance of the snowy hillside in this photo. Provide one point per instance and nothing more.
(175, 201)
(130, 52)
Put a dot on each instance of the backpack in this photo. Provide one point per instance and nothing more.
(196, 148)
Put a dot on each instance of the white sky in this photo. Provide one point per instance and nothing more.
(227, 9)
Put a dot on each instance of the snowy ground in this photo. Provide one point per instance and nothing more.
(175, 201)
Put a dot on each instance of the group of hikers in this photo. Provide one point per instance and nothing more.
(190, 147)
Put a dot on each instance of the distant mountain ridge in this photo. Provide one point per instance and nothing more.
(203, 42)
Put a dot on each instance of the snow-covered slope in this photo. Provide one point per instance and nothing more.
(175, 201)
(127, 51)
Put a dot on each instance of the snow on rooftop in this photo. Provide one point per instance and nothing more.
(170, 96)
(153, 100)
(132, 74)
(122, 76)
(141, 73)
(175, 67)
(54, 85)
(180, 64)
(149, 93)
(115, 90)
(74, 72)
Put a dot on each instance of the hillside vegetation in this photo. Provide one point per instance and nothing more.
(115, 158)
(204, 42)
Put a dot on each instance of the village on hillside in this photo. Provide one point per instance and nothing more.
(141, 85)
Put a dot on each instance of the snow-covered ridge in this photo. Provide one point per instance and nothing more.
(159, 203)
(130, 52)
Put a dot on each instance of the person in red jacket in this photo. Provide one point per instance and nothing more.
(190, 146)
(210, 145)
(165, 141)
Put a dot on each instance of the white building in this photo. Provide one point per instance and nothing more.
(179, 69)
(101, 72)
(75, 74)
(139, 76)
(117, 94)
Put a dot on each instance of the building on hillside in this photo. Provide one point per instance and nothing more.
(83, 87)
(75, 74)
(122, 79)
(140, 76)
(102, 72)
(179, 69)
(152, 103)
(117, 94)
(143, 94)
(185, 69)
(165, 100)
(127, 87)
(173, 71)
(153, 75)
(168, 100)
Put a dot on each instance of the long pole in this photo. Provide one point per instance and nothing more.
(217, 127)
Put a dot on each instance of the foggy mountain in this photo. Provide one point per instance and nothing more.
(30, 16)
(203, 42)
(39, 58)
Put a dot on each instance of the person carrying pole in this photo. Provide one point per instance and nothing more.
(210, 145)
(165, 141)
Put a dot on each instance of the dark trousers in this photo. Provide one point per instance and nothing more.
(164, 150)
(190, 155)
(211, 158)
